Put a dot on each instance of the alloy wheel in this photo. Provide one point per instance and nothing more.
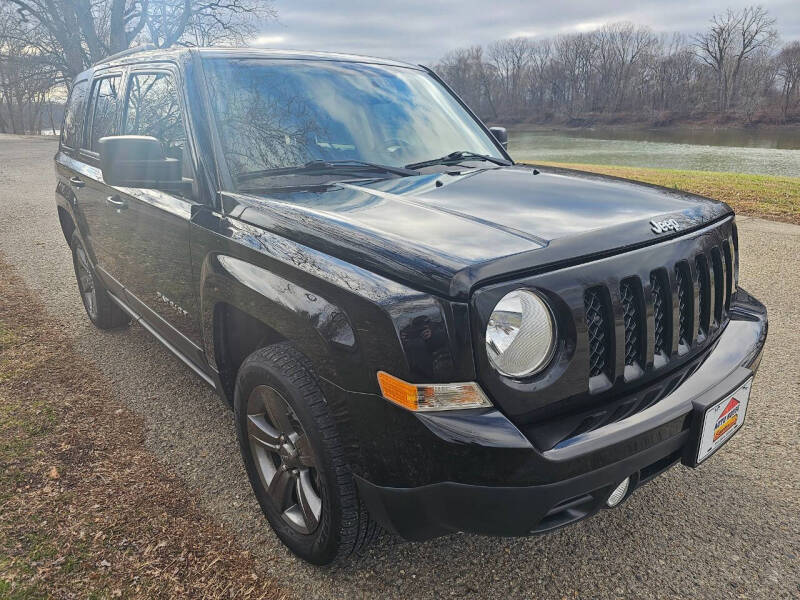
(284, 459)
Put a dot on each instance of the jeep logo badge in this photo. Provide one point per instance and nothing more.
(662, 226)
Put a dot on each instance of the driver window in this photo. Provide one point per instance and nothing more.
(105, 110)
(153, 109)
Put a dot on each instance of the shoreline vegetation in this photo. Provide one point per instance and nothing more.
(766, 196)
(734, 71)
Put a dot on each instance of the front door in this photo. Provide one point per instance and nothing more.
(157, 273)
(72, 173)
(106, 228)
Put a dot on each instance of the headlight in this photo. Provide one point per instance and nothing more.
(521, 335)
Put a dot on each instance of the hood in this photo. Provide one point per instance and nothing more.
(448, 232)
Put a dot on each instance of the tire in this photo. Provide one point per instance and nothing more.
(100, 308)
(305, 470)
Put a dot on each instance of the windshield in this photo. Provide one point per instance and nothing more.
(274, 114)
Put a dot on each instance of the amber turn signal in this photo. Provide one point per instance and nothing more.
(432, 396)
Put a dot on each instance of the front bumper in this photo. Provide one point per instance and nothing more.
(425, 512)
(473, 471)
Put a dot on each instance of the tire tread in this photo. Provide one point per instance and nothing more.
(358, 529)
(109, 315)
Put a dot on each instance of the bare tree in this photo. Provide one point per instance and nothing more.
(676, 85)
(511, 58)
(574, 62)
(540, 53)
(622, 46)
(25, 79)
(788, 73)
(732, 39)
(205, 23)
(756, 83)
(77, 33)
(471, 77)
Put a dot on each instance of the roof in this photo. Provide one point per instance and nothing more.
(138, 55)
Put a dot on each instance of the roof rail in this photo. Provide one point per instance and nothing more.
(127, 52)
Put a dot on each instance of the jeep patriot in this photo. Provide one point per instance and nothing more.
(415, 333)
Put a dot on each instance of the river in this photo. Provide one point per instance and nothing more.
(758, 151)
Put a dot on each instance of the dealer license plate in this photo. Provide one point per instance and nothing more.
(722, 420)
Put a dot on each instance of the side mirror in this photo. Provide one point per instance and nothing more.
(501, 135)
(138, 161)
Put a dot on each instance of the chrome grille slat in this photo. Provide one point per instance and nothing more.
(704, 294)
(719, 285)
(726, 255)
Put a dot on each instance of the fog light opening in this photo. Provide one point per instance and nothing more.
(619, 493)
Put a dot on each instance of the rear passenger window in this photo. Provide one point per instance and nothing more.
(153, 109)
(105, 97)
(73, 115)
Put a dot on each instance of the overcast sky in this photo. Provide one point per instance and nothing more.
(423, 30)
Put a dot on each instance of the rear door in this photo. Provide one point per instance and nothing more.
(157, 272)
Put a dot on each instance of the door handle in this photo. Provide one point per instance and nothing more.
(117, 202)
(76, 182)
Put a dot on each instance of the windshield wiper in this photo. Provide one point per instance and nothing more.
(457, 156)
(323, 167)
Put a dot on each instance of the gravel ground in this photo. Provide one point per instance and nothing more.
(728, 529)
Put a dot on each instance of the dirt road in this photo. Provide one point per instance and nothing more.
(728, 529)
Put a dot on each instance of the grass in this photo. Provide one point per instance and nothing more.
(85, 510)
(766, 196)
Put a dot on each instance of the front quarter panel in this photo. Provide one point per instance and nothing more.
(349, 321)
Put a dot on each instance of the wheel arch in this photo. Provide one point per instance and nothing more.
(67, 223)
(237, 334)
(246, 307)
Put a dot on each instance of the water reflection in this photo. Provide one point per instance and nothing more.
(786, 138)
(768, 153)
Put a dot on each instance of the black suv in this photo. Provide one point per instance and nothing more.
(414, 332)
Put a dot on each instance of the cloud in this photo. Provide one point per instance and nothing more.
(424, 30)
(269, 40)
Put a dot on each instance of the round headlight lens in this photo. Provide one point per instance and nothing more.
(521, 335)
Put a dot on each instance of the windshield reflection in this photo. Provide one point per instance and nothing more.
(275, 114)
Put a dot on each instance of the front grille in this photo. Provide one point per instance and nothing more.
(597, 322)
(694, 294)
(632, 317)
